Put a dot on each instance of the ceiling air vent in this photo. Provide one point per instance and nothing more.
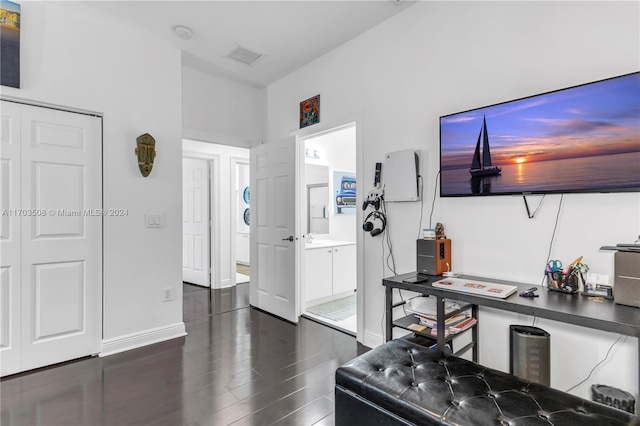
(243, 55)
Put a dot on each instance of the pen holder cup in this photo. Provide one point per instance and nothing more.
(566, 283)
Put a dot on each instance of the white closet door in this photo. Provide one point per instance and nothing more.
(10, 334)
(61, 181)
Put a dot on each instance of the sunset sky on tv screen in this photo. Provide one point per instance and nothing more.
(595, 119)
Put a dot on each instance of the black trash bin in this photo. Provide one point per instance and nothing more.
(530, 353)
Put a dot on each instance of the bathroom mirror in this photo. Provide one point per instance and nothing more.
(318, 208)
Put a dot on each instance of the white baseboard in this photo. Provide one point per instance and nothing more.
(144, 338)
(372, 340)
(225, 283)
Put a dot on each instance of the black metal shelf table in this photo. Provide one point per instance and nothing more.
(566, 308)
(406, 323)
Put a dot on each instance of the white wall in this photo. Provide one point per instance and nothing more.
(223, 204)
(221, 111)
(437, 58)
(72, 57)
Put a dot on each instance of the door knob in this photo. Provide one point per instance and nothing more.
(288, 239)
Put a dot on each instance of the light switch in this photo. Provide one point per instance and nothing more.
(153, 220)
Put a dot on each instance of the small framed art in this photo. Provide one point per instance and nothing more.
(310, 111)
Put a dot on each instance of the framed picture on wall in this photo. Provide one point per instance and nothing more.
(245, 195)
(10, 43)
(345, 188)
(310, 111)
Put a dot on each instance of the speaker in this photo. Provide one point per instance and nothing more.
(627, 278)
(530, 353)
(433, 257)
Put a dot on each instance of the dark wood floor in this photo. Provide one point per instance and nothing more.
(237, 366)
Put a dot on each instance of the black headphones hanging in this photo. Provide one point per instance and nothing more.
(369, 226)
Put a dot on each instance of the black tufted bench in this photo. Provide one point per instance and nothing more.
(402, 383)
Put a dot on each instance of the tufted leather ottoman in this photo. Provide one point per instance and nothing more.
(401, 383)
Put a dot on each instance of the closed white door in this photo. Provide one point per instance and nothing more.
(60, 237)
(195, 222)
(10, 335)
(273, 236)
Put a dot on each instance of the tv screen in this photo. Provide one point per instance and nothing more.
(581, 139)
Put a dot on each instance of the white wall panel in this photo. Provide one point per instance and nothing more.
(58, 297)
(6, 308)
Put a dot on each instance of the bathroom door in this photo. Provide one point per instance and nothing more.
(273, 229)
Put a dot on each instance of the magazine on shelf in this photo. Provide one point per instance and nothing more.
(476, 287)
(449, 322)
(458, 328)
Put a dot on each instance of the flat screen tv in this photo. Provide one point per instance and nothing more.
(581, 139)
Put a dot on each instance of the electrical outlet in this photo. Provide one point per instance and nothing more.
(167, 294)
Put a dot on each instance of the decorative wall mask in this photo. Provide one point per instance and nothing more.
(146, 152)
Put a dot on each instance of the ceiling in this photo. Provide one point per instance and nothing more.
(288, 34)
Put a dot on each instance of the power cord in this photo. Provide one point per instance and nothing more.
(421, 205)
(387, 237)
(553, 235)
(526, 205)
(596, 366)
(433, 202)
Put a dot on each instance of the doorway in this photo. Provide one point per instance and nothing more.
(330, 227)
(241, 218)
(223, 206)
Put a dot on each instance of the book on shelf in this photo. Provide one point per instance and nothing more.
(455, 329)
(433, 322)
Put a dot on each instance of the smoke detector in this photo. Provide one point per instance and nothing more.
(183, 32)
(244, 55)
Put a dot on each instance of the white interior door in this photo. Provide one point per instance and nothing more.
(195, 222)
(10, 335)
(273, 229)
(60, 237)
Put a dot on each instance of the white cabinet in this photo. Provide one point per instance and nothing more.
(330, 271)
(318, 275)
(344, 268)
(242, 248)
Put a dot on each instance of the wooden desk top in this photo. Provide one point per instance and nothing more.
(563, 307)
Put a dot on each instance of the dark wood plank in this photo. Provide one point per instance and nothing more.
(310, 414)
(237, 365)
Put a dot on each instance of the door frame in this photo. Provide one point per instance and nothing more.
(214, 219)
(319, 129)
(233, 171)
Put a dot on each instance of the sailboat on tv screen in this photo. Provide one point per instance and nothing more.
(481, 167)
